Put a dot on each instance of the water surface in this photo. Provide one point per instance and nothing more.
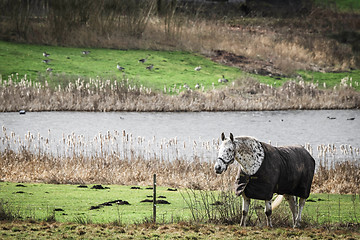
(278, 127)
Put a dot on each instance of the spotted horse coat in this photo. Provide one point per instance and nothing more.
(265, 170)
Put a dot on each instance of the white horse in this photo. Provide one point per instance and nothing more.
(265, 170)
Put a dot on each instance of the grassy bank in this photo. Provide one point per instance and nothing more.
(319, 38)
(92, 82)
(170, 68)
(83, 204)
(245, 94)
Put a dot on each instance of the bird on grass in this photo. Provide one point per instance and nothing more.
(150, 67)
(45, 54)
(46, 61)
(144, 59)
(198, 68)
(197, 86)
(49, 69)
(186, 86)
(120, 68)
(223, 80)
(85, 52)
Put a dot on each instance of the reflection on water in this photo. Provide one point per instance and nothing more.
(174, 135)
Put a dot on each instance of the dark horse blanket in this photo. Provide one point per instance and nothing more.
(284, 170)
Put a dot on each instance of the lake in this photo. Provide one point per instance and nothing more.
(187, 129)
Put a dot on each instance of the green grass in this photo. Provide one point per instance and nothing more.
(332, 79)
(39, 200)
(342, 5)
(333, 208)
(170, 67)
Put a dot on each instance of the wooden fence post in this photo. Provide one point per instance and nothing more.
(154, 199)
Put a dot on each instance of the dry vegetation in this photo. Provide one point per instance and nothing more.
(107, 95)
(318, 40)
(118, 158)
(182, 230)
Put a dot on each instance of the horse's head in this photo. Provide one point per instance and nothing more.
(226, 154)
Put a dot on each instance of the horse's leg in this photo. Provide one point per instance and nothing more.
(293, 206)
(245, 210)
(268, 211)
(301, 207)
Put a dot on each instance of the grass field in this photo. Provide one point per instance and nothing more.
(69, 203)
(330, 80)
(171, 68)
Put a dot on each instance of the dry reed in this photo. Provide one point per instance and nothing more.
(289, 43)
(118, 158)
(106, 95)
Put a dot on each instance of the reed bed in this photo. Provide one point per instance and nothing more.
(124, 95)
(118, 158)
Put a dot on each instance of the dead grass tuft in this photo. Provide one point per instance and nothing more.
(341, 178)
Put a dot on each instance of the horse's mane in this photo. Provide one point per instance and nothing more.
(249, 153)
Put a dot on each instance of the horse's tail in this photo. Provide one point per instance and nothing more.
(277, 201)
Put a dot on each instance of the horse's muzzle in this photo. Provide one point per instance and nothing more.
(218, 169)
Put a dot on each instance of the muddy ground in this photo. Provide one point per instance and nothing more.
(45, 230)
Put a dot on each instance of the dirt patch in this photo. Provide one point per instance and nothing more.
(20, 185)
(110, 203)
(257, 66)
(157, 201)
(99, 187)
(157, 197)
(21, 192)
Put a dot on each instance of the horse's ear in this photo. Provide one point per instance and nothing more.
(222, 137)
(231, 137)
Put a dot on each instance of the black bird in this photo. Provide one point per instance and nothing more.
(150, 67)
(144, 59)
(331, 118)
(223, 80)
(45, 54)
(351, 118)
(46, 61)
